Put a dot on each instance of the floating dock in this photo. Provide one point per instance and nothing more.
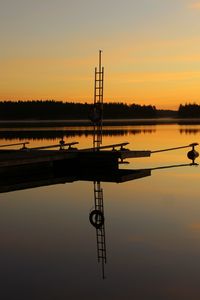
(32, 167)
(106, 157)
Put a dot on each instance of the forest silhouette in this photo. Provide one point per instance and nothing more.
(58, 110)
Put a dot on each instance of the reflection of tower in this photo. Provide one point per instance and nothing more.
(97, 114)
(97, 215)
(97, 220)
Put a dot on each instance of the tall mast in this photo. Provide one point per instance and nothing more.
(97, 117)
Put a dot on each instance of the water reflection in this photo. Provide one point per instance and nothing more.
(152, 229)
(55, 134)
(17, 180)
(51, 134)
(190, 131)
(97, 218)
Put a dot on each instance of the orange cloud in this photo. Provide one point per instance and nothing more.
(195, 5)
(141, 77)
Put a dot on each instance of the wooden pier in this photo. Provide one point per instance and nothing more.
(68, 156)
(105, 157)
(32, 167)
(28, 167)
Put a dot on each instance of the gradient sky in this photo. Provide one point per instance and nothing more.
(151, 50)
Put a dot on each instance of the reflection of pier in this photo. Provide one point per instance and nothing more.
(19, 179)
(16, 180)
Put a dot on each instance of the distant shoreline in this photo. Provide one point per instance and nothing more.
(87, 123)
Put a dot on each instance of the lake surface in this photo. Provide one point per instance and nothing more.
(152, 225)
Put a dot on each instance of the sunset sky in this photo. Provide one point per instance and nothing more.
(151, 50)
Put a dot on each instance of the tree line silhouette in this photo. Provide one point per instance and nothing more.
(58, 110)
(189, 111)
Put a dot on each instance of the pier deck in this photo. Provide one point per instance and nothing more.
(9, 158)
(86, 157)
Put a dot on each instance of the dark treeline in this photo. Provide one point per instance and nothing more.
(54, 110)
(42, 110)
(132, 111)
(189, 111)
(57, 110)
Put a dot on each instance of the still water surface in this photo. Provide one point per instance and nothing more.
(152, 226)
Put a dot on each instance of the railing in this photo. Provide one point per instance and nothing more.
(16, 144)
(61, 145)
(113, 146)
(176, 148)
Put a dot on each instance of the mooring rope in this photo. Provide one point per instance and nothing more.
(176, 148)
(174, 166)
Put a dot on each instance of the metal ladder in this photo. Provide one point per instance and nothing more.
(98, 104)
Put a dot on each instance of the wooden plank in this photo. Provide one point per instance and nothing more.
(17, 158)
(16, 144)
(107, 147)
(118, 176)
(53, 146)
(62, 159)
(134, 154)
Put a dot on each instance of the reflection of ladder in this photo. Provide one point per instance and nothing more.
(100, 230)
(98, 105)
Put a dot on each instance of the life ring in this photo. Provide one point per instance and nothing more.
(96, 218)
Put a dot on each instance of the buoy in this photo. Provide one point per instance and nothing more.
(96, 218)
(192, 154)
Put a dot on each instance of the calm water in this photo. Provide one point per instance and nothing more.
(152, 226)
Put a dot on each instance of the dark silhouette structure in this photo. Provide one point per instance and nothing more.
(58, 110)
(189, 111)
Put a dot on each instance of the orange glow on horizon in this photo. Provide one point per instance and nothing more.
(161, 79)
(150, 57)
